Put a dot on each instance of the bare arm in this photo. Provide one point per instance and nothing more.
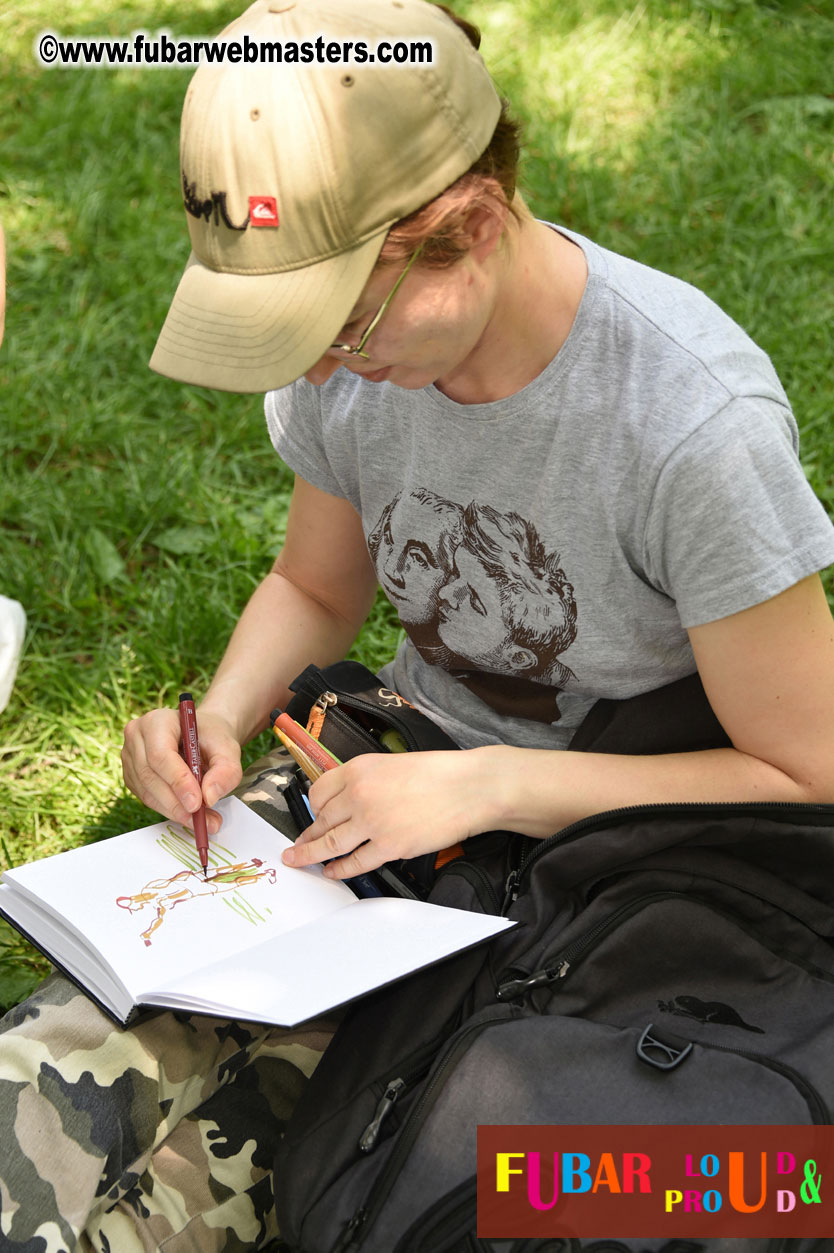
(309, 608)
(769, 675)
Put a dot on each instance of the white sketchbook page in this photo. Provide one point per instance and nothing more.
(73, 954)
(333, 960)
(84, 885)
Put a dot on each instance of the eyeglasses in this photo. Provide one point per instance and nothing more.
(356, 350)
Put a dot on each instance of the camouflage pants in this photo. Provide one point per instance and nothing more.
(160, 1136)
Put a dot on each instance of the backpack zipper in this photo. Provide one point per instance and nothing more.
(416, 1065)
(392, 1093)
(357, 1229)
(559, 966)
(394, 1089)
(592, 822)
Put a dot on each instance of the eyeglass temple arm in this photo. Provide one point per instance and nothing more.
(356, 350)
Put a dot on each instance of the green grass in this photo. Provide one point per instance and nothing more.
(137, 514)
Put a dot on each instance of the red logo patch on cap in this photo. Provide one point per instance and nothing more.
(263, 211)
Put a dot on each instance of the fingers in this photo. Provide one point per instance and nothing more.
(155, 771)
(321, 842)
(340, 835)
(153, 768)
(343, 850)
(222, 773)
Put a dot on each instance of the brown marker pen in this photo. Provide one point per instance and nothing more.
(191, 753)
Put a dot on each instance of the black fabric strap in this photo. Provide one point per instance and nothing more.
(676, 718)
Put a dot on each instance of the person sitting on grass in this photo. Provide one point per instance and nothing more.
(361, 254)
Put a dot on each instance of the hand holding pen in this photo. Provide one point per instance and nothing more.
(155, 769)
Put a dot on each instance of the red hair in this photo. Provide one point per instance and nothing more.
(441, 226)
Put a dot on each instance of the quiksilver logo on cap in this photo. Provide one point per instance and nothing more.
(263, 211)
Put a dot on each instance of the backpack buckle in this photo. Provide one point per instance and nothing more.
(661, 1049)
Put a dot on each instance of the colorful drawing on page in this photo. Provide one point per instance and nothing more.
(227, 878)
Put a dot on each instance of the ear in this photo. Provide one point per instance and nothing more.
(485, 225)
(520, 658)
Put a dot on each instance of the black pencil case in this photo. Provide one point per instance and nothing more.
(358, 711)
(355, 713)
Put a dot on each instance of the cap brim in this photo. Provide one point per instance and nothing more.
(256, 332)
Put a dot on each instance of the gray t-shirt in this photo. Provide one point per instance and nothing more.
(550, 549)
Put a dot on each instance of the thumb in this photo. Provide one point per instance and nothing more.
(222, 772)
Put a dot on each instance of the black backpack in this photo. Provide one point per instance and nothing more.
(673, 965)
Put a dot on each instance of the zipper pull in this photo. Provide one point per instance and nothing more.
(318, 710)
(542, 978)
(351, 1231)
(510, 891)
(368, 1139)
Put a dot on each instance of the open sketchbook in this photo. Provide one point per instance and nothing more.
(134, 922)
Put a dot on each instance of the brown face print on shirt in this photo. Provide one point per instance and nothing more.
(480, 596)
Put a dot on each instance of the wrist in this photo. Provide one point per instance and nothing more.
(493, 789)
(223, 702)
(518, 789)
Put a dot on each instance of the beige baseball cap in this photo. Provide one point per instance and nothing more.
(293, 173)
